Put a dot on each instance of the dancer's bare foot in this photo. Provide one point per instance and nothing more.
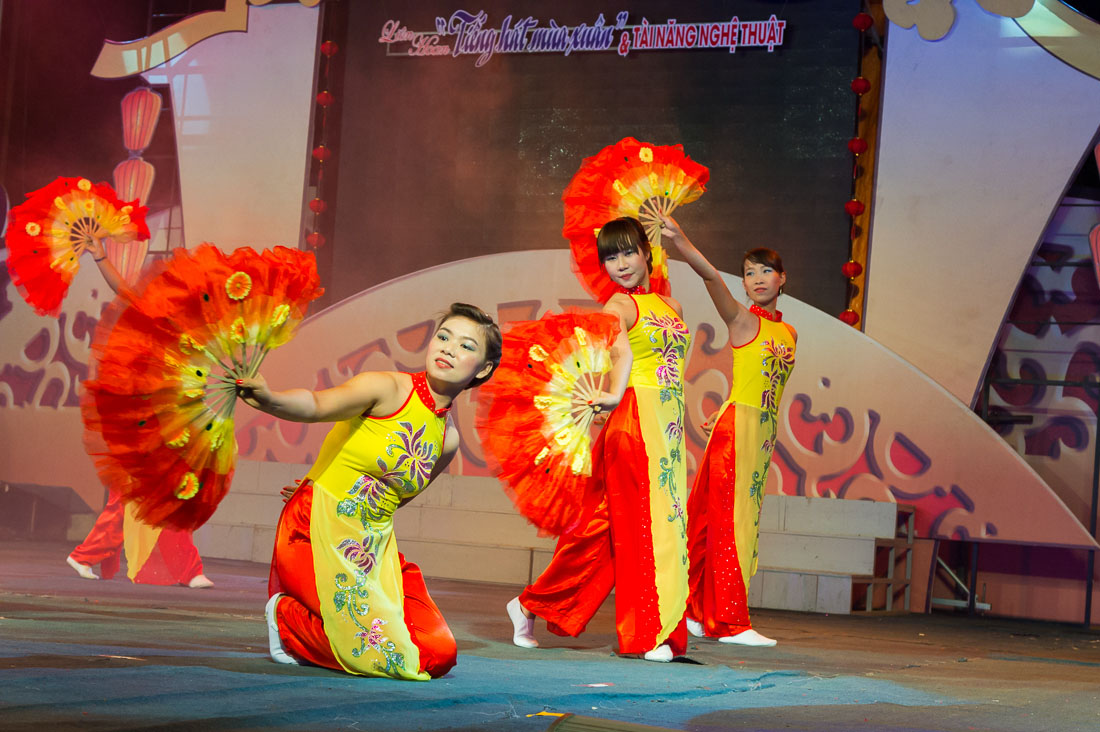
(523, 624)
(82, 569)
(200, 582)
(748, 638)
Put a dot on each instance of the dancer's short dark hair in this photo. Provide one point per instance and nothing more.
(764, 256)
(494, 342)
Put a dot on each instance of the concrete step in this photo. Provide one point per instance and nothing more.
(243, 527)
(477, 562)
(467, 493)
(811, 592)
(444, 525)
(828, 516)
(779, 589)
(465, 527)
(814, 553)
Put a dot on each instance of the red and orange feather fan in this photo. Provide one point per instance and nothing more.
(629, 178)
(534, 418)
(158, 411)
(49, 231)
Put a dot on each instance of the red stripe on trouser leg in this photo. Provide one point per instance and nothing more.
(614, 547)
(718, 596)
(625, 476)
(103, 545)
(299, 613)
(697, 540)
(578, 579)
(438, 650)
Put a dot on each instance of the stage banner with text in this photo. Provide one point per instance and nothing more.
(462, 123)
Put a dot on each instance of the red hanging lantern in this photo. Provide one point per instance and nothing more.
(127, 257)
(321, 153)
(325, 98)
(134, 179)
(851, 269)
(315, 239)
(318, 206)
(857, 145)
(854, 207)
(851, 317)
(329, 49)
(860, 85)
(140, 114)
(862, 22)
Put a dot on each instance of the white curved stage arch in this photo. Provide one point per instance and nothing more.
(860, 422)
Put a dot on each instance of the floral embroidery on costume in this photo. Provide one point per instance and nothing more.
(374, 638)
(778, 360)
(420, 454)
(375, 498)
(668, 372)
(671, 328)
(669, 336)
(756, 489)
(350, 600)
(369, 500)
(362, 554)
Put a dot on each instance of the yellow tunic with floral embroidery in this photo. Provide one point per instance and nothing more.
(659, 342)
(366, 468)
(760, 371)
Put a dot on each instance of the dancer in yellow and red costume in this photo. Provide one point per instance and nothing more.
(724, 508)
(342, 595)
(632, 536)
(154, 556)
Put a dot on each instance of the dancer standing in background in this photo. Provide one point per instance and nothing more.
(724, 507)
(154, 556)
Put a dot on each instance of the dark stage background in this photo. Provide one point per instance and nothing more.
(440, 160)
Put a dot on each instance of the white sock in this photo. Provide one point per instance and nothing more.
(695, 628)
(748, 638)
(523, 627)
(274, 642)
(200, 582)
(660, 654)
(82, 569)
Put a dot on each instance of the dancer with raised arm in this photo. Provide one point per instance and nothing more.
(724, 507)
(154, 556)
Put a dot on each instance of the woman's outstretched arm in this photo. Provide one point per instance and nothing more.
(359, 394)
(99, 255)
(728, 308)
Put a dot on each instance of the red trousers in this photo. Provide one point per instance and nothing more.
(299, 613)
(718, 592)
(612, 549)
(174, 560)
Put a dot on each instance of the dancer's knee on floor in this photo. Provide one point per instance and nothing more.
(438, 652)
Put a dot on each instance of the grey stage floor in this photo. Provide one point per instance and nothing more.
(78, 654)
